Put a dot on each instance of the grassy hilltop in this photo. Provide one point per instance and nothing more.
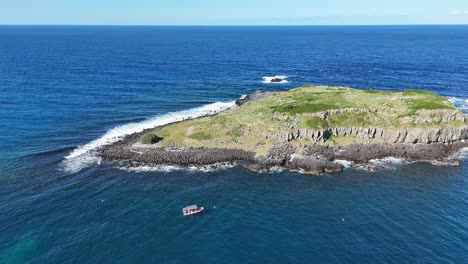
(258, 125)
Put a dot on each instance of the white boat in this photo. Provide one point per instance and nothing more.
(192, 209)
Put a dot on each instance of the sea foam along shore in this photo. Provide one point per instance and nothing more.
(460, 103)
(318, 159)
(171, 168)
(85, 155)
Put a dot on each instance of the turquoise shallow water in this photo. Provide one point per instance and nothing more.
(64, 87)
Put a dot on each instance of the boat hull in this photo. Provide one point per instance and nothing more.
(197, 211)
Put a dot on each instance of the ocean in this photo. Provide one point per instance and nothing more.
(67, 90)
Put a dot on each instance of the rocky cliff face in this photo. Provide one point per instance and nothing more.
(259, 136)
(318, 158)
(423, 135)
(435, 116)
(410, 136)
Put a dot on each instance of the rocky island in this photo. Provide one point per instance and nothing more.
(308, 129)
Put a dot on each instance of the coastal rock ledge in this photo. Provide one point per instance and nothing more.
(311, 129)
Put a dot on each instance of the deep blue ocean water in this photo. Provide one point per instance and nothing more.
(64, 89)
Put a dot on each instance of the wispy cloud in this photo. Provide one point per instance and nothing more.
(459, 13)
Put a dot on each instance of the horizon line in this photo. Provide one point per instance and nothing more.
(234, 25)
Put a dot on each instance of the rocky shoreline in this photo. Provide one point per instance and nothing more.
(314, 159)
(128, 152)
(318, 159)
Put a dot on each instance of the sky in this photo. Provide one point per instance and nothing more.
(238, 12)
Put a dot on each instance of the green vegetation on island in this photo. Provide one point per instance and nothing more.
(150, 138)
(259, 125)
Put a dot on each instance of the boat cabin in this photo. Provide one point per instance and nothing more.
(192, 209)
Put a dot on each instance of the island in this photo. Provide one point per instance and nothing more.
(310, 129)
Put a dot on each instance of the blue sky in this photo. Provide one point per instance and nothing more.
(239, 12)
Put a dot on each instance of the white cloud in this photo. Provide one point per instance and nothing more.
(459, 13)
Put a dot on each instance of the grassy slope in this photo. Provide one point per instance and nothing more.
(249, 126)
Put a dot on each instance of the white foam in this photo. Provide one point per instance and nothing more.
(170, 168)
(85, 156)
(151, 168)
(346, 164)
(388, 160)
(276, 169)
(462, 154)
(385, 163)
(460, 103)
(268, 79)
(80, 162)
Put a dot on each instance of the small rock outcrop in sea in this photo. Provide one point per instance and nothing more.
(275, 79)
(308, 129)
(252, 97)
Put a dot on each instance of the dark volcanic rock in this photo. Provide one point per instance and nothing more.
(126, 153)
(362, 153)
(281, 151)
(322, 152)
(183, 157)
(313, 165)
(252, 97)
(315, 159)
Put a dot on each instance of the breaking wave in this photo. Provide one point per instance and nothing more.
(460, 103)
(462, 154)
(268, 79)
(346, 164)
(385, 163)
(85, 155)
(171, 168)
(276, 170)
